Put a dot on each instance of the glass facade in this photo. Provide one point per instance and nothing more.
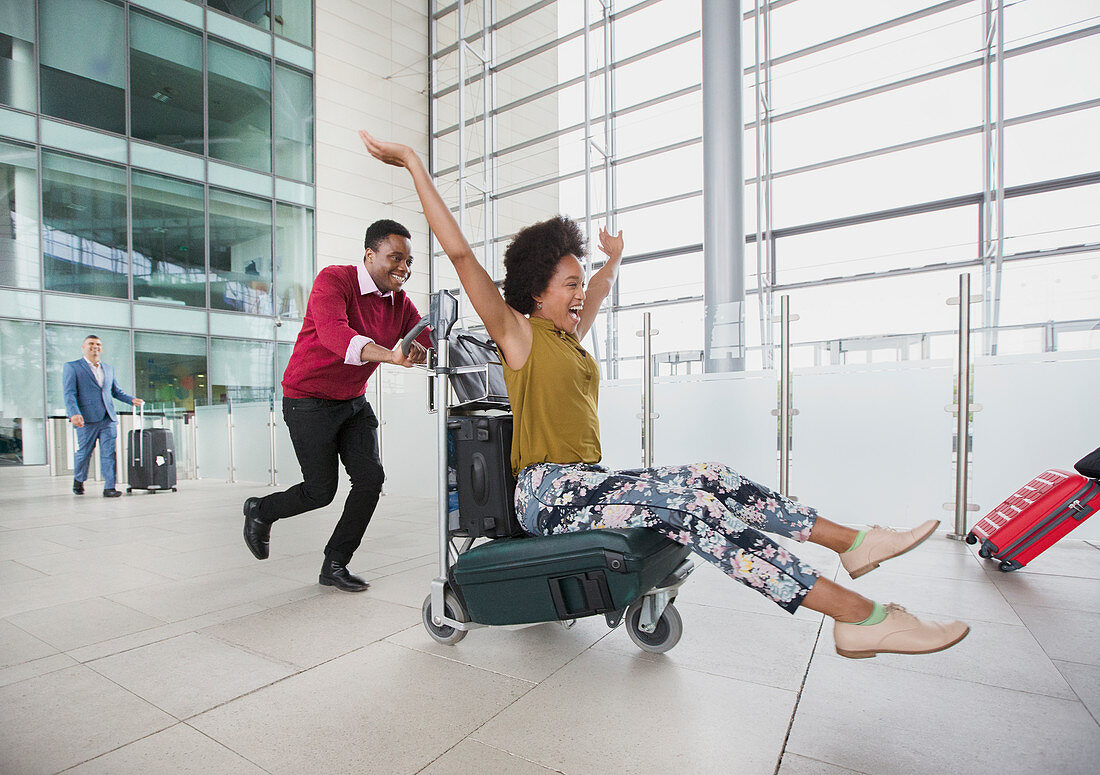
(158, 177)
(879, 163)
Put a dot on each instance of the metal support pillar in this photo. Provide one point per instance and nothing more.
(723, 187)
(993, 187)
(784, 411)
(648, 415)
(963, 408)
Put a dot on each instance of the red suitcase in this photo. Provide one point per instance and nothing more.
(1035, 517)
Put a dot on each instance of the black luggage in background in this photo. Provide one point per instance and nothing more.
(150, 460)
(483, 472)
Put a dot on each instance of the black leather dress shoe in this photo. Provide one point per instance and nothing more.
(257, 533)
(112, 494)
(78, 487)
(333, 574)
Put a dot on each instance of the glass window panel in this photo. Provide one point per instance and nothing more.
(944, 169)
(540, 161)
(240, 252)
(912, 241)
(1052, 148)
(1052, 219)
(84, 226)
(652, 26)
(1029, 21)
(256, 12)
(21, 304)
(666, 174)
(240, 106)
(83, 76)
(17, 59)
(169, 233)
(519, 210)
(1051, 77)
(22, 415)
(871, 308)
(661, 279)
(165, 84)
(293, 124)
(664, 226)
(533, 30)
(19, 265)
(294, 19)
(797, 25)
(63, 345)
(659, 74)
(535, 118)
(922, 110)
(293, 259)
(662, 124)
(241, 370)
(171, 370)
(1051, 288)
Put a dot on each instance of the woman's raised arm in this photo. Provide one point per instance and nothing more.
(508, 328)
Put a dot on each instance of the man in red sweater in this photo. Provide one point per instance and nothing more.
(354, 318)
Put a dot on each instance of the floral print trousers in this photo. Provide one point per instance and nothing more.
(706, 506)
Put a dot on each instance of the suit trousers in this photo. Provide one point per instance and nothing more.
(105, 431)
(325, 432)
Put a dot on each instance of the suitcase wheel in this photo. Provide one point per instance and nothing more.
(985, 553)
(1007, 566)
(664, 636)
(971, 539)
(129, 490)
(453, 609)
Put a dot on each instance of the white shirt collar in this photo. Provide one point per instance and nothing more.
(367, 284)
(93, 365)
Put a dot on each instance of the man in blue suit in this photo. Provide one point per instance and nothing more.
(90, 390)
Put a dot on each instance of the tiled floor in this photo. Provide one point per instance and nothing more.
(139, 636)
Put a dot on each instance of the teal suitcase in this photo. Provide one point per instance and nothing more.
(561, 577)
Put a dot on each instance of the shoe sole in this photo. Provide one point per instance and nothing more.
(855, 574)
(873, 652)
(327, 583)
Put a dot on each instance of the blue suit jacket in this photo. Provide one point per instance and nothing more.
(85, 397)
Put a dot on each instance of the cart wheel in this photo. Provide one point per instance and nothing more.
(1006, 566)
(985, 553)
(448, 636)
(129, 490)
(664, 636)
(971, 539)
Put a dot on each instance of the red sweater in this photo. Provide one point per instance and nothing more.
(336, 312)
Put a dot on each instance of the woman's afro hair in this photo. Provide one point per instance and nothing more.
(532, 257)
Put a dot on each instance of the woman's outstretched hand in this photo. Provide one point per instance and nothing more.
(611, 246)
(391, 153)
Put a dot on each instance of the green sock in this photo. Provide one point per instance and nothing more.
(878, 614)
(857, 542)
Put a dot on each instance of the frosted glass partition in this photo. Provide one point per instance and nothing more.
(408, 432)
(620, 428)
(721, 417)
(212, 449)
(872, 443)
(252, 441)
(1038, 412)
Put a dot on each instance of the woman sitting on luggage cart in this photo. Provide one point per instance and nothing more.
(553, 386)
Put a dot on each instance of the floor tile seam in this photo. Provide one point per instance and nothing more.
(798, 697)
(72, 663)
(1053, 608)
(981, 683)
(1074, 662)
(176, 722)
(1025, 573)
(778, 613)
(533, 684)
(226, 747)
(846, 767)
(495, 748)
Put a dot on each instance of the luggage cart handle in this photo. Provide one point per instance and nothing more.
(406, 342)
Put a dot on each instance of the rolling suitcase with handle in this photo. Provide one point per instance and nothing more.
(150, 458)
(1035, 517)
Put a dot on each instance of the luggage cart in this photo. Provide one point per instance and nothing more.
(632, 574)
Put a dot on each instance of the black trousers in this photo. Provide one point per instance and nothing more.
(324, 432)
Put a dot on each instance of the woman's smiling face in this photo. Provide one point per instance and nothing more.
(563, 296)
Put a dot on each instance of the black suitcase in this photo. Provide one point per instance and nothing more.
(150, 460)
(483, 475)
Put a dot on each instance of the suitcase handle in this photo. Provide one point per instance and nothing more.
(593, 588)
